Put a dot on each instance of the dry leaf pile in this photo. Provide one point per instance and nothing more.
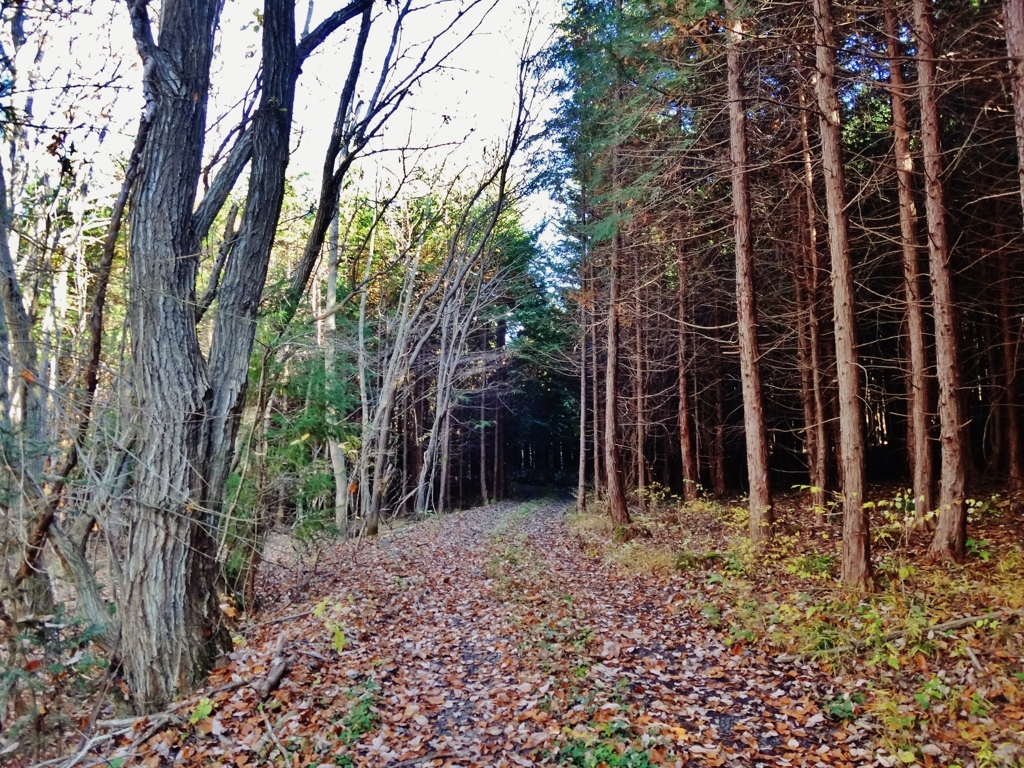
(490, 638)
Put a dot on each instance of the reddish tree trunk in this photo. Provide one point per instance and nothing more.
(918, 385)
(689, 455)
(638, 385)
(581, 481)
(817, 444)
(746, 308)
(613, 480)
(1008, 342)
(1013, 22)
(595, 408)
(951, 533)
(856, 535)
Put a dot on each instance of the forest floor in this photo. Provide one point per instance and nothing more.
(520, 634)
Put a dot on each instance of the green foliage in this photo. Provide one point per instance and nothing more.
(335, 628)
(978, 548)
(843, 706)
(609, 747)
(361, 717)
(202, 710)
(814, 565)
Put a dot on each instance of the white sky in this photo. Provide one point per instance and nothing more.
(466, 106)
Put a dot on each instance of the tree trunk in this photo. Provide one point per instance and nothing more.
(443, 495)
(951, 533)
(818, 449)
(856, 534)
(804, 363)
(595, 407)
(246, 270)
(638, 387)
(691, 476)
(1013, 22)
(746, 307)
(501, 328)
(1008, 341)
(334, 445)
(717, 454)
(581, 480)
(169, 611)
(613, 480)
(483, 429)
(918, 447)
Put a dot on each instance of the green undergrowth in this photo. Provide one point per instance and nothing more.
(615, 744)
(954, 695)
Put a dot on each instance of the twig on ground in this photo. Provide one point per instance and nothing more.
(285, 754)
(429, 757)
(278, 669)
(282, 619)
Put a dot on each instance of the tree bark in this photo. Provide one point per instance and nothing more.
(691, 475)
(595, 407)
(951, 533)
(1008, 342)
(169, 631)
(613, 479)
(581, 480)
(246, 272)
(918, 443)
(1013, 22)
(856, 535)
(717, 453)
(746, 307)
(485, 499)
(818, 444)
(335, 447)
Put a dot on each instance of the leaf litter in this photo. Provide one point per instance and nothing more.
(493, 637)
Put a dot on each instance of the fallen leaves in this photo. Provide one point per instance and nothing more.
(489, 638)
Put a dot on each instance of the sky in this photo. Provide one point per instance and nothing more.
(463, 108)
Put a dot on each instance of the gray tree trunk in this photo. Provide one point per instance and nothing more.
(169, 631)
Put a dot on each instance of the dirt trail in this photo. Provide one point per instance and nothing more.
(489, 638)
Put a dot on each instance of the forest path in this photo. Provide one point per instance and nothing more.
(489, 638)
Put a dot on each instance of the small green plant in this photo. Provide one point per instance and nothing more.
(933, 690)
(686, 560)
(843, 706)
(202, 710)
(712, 614)
(610, 747)
(733, 562)
(978, 548)
(361, 718)
(813, 565)
(335, 628)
